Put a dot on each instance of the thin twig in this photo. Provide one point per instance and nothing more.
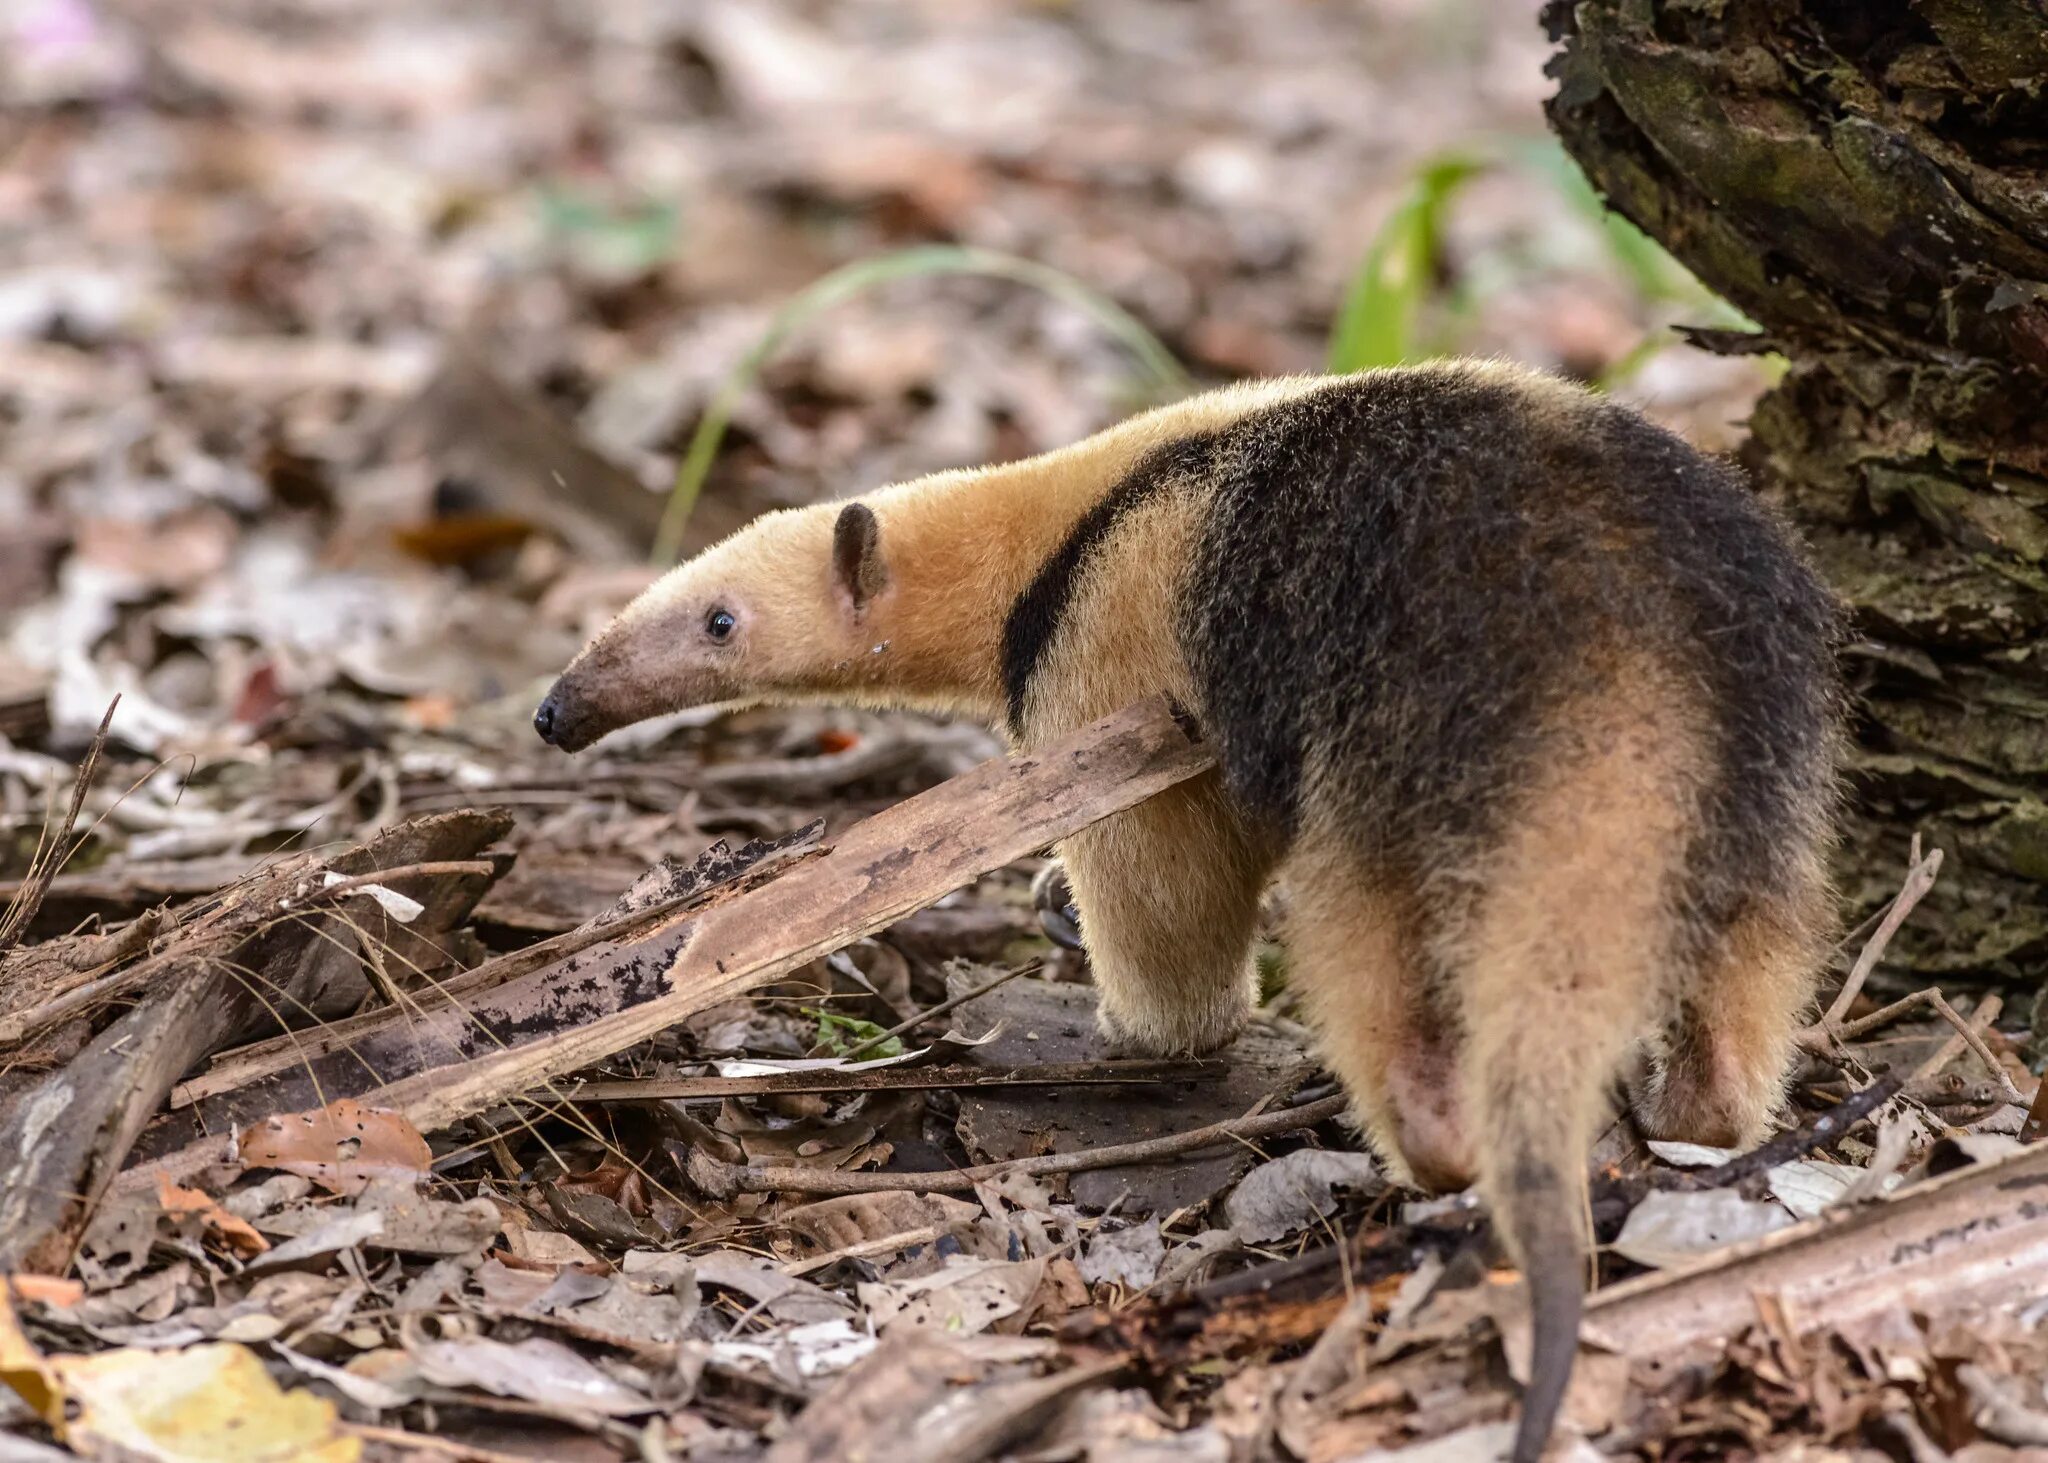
(1971, 1034)
(36, 886)
(723, 1180)
(434, 868)
(952, 1075)
(1794, 1143)
(887, 1244)
(1938, 1092)
(1883, 1016)
(2037, 1115)
(942, 1008)
(1968, 1033)
(1918, 881)
(398, 1437)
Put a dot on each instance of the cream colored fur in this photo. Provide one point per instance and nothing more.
(958, 547)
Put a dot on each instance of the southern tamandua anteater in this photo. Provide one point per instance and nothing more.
(1530, 704)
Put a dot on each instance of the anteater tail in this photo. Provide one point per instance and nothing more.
(1538, 1214)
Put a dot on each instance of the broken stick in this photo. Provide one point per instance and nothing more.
(567, 1015)
(722, 1180)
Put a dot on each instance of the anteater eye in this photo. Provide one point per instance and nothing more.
(719, 624)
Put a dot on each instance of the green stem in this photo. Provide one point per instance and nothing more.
(853, 279)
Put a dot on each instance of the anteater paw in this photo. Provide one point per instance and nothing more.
(1165, 1033)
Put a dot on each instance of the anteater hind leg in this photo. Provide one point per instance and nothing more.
(1168, 895)
(1355, 954)
(1723, 1059)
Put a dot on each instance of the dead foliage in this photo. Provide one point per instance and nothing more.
(376, 1084)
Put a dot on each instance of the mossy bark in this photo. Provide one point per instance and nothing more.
(1868, 181)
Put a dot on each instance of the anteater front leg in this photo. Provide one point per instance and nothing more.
(1168, 895)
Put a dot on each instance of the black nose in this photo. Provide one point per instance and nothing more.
(544, 720)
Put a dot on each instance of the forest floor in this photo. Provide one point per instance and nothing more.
(347, 351)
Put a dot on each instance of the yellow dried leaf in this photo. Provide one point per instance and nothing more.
(22, 1367)
(205, 1404)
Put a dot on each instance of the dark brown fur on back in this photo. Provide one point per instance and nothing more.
(1408, 573)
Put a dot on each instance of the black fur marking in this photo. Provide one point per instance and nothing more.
(1034, 618)
(856, 553)
(1403, 573)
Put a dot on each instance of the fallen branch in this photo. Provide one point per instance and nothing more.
(715, 873)
(1950, 1250)
(723, 1180)
(1977, 1237)
(880, 1079)
(447, 1064)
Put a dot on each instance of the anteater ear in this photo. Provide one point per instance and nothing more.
(857, 554)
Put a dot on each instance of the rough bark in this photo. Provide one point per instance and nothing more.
(1868, 181)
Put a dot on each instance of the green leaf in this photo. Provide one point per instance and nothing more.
(839, 1035)
(1377, 324)
(631, 240)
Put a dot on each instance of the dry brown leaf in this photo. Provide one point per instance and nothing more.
(234, 1232)
(47, 1290)
(542, 1249)
(341, 1147)
(852, 1219)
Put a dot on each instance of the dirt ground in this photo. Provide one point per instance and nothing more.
(348, 352)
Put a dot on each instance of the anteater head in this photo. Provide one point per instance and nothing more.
(786, 609)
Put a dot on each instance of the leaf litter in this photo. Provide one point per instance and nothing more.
(345, 358)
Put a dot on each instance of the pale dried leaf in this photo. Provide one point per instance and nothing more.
(1806, 1186)
(963, 1299)
(785, 1297)
(536, 1370)
(1126, 1257)
(1292, 1192)
(1667, 1227)
(815, 1350)
(1690, 1155)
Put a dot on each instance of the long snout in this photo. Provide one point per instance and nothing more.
(571, 717)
